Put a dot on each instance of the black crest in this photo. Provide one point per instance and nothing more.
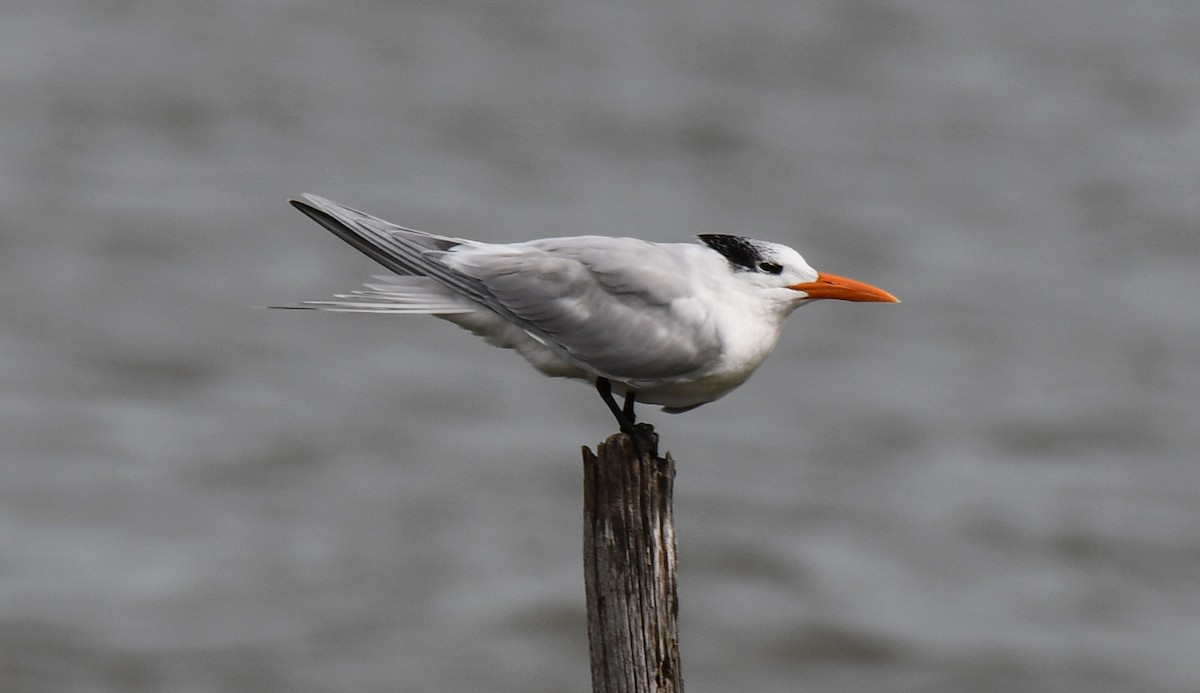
(740, 252)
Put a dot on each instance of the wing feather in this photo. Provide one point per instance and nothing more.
(618, 307)
(613, 304)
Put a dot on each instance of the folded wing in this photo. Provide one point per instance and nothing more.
(618, 307)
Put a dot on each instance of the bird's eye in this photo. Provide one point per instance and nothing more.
(771, 267)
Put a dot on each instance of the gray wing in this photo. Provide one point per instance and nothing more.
(403, 251)
(619, 306)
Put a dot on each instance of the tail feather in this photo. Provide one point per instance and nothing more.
(379, 308)
(403, 251)
(399, 295)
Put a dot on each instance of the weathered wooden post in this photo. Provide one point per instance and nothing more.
(629, 568)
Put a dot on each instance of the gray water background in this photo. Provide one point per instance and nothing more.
(993, 486)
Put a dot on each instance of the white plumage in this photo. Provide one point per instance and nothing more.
(675, 324)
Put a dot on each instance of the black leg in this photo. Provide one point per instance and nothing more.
(604, 387)
(627, 410)
(643, 435)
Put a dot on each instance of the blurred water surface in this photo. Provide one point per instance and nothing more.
(990, 487)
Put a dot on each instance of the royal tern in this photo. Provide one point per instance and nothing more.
(674, 324)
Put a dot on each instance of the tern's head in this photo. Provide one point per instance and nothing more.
(775, 266)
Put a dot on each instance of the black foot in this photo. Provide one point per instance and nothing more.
(645, 440)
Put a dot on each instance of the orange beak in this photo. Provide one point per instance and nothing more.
(844, 289)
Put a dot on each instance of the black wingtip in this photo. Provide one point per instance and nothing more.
(360, 238)
(305, 201)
